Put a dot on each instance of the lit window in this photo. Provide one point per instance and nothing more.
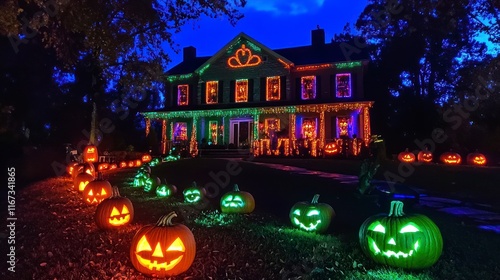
(308, 87)
(309, 127)
(182, 94)
(180, 131)
(241, 94)
(273, 88)
(272, 126)
(212, 92)
(344, 126)
(212, 126)
(343, 85)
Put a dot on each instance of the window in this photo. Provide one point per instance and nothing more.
(309, 128)
(344, 126)
(182, 95)
(273, 88)
(343, 85)
(271, 126)
(241, 94)
(308, 87)
(212, 92)
(213, 129)
(180, 131)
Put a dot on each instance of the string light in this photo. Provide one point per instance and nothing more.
(273, 88)
(175, 78)
(148, 125)
(182, 95)
(164, 136)
(347, 65)
(212, 92)
(314, 67)
(243, 58)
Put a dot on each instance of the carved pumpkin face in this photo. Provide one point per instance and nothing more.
(96, 191)
(450, 158)
(131, 163)
(123, 164)
(90, 154)
(237, 201)
(114, 211)
(476, 159)
(163, 249)
(113, 166)
(146, 158)
(424, 156)
(411, 241)
(151, 183)
(313, 217)
(140, 180)
(165, 190)
(82, 180)
(103, 166)
(331, 149)
(71, 167)
(406, 156)
(193, 194)
(138, 163)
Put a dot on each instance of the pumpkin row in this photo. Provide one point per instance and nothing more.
(450, 158)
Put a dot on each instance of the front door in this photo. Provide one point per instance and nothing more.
(241, 132)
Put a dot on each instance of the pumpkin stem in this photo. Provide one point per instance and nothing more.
(116, 192)
(315, 199)
(396, 209)
(194, 185)
(166, 220)
(236, 188)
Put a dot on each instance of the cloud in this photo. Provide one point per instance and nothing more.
(285, 7)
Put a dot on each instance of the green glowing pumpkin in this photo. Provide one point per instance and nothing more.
(165, 190)
(313, 217)
(237, 201)
(193, 194)
(406, 241)
(151, 183)
(140, 180)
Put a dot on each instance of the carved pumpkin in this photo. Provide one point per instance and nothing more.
(131, 163)
(140, 180)
(164, 249)
(313, 217)
(476, 159)
(103, 166)
(123, 164)
(113, 166)
(96, 191)
(138, 162)
(114, 211)
(193, 194)
(71, 167)
(331, 149)
(450, 158)
(82, 180)
(425, 156)
(146, 158)
(83, 168)
(166, 190)
(145, 169)
(406, 156)
(151, 183)
(406, 241)
(90, 154)
(237, 201)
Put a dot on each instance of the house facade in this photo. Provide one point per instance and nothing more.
(286, 101)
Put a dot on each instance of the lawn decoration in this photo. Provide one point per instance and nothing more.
(140, 180)
(425, 156)
(368, 169)
(476, 159)
(114, 211)
(313, 217)
(96, 191)
(406, 241)
(193, 194)
(164, 249)
(237, 201)
(151, 183)
(331, 149)
(123, 164)
(138, 163)
(113, 166)
(90, 154)
(82, 180)
(165, 190)
(71, 167)
(145, 169)
(83, 168)
(103, 166)
(146, 158)
(406, 156)
(154, 162)
(131, 163)
(450, 158)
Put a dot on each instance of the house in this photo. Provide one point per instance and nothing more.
(286, 101)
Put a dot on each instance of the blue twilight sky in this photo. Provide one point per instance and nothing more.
(274, 23)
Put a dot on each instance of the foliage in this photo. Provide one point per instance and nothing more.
(368, 169)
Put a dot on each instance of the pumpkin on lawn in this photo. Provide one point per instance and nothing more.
(165, 190)
(151, 183)
(96, 191)
(90, 154)
(146, 158)
(193, 194)
(406, 156)
(81, 181)
(406, 241)
(114, 211)
(103, 166)
(237, 201)
(331, 149)
(313, 216)
(450, 158)
(425, 156)
(70, 167)
(476, 159)
(164, 249)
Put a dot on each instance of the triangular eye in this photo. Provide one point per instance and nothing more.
(91, 193)
(312, 213)
(177, 245)
(143, 245)
(114, 212)
(103, 192)
(409, 228)
(157, 253)
(296, 212)
(125, 210)
(377, 227)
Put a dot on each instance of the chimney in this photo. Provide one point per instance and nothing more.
(188, 53)
(318, 37)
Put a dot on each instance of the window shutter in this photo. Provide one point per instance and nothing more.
(204, 93)
(297, 89)
(333, 90)
(250, 90)
(263, 89)
(220, 94)
(319, 94)
(283, 88)
(232, 86)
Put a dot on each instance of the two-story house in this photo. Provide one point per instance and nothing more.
(280, 101)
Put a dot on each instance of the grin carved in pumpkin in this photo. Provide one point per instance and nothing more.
(450, 158)
(193, 194)
(114, 211)
(406, 156)
(96, 191)
(476, 159)
(237, 201)
(314, 216)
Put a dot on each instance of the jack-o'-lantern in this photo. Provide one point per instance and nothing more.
(331, 149)
(96, 191)
(103, 166)
(114, 211)
(138, 163)
(450, 158)
(151, 183)
(476, 159)
(407, 241)
(425, 156)
(113, 166)
(154, 162)
(406, 156)
(145, 169)
(313, 217)
(193, 194)
(83, 168)
(140, 180)
(164, 249)
(90, 154)
(146, 158)
(71, 167)
(123, 164)
(237, 201)
(165, 190)
(81, 181)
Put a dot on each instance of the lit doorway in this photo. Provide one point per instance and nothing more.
(241, 132)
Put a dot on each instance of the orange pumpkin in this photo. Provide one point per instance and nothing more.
(138, 163)
(96, 191)
(83, 168)
(406, 156)
(146, 158)
(90, 154)
(164, 249)
(113, 166)
(450, 158)
(123, 164)
(103, 166)
(131, 163)
(71, 167)
(424, 156)
(115, 211)
(331, 149)
(476, 159)
(82, 180)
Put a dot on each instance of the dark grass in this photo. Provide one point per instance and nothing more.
(57, 237)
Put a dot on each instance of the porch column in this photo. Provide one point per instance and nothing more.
(292, 122)
(148, 125)
(366, 125)
(193, 144)
(255, 140)
(321, 129)
(163, 142)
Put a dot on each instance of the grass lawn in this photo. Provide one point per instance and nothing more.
(56, 237)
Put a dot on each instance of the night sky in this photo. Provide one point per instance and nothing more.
(274, 23)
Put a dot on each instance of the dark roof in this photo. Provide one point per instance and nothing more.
(186, 67)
